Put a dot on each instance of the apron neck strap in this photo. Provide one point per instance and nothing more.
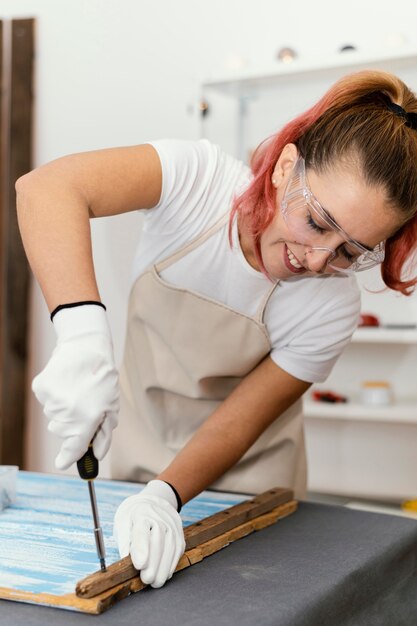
(194, 243)
(259, 317)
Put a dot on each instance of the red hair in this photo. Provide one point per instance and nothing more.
(351, 118)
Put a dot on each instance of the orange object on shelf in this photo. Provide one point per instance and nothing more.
(409, 505)
(368, 319)
(327, 396)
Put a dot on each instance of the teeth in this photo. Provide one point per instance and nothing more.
(293, 260)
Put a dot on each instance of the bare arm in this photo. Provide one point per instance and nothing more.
(55, 202)
(228, 433)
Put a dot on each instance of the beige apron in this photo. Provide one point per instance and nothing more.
(184, 354)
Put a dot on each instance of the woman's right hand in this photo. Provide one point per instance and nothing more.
(78, 388)
(148, 527)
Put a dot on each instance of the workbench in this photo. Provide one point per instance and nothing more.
(325, 565)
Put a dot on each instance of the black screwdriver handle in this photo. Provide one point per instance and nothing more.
(88, 464)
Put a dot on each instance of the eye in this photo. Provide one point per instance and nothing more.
(346, 254)
(313, 225)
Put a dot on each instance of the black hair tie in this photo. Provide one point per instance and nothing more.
(409, 118)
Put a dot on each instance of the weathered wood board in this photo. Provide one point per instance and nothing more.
(47, 543)
(46, 539)
(231, 524)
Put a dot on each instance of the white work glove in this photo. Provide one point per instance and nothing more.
(148, 527)
(78, 388)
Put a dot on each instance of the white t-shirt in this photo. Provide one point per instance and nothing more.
(309, 319)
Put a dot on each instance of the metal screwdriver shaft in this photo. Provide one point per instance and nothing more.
(88, 470)
(98, 534)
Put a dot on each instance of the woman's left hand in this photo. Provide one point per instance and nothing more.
(148, 527)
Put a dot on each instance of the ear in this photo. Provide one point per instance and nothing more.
(284, 164)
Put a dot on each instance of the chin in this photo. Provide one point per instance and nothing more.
(278, 273)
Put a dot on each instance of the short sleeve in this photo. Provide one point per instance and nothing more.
(191, 172)
(310, 342)
(199, 181)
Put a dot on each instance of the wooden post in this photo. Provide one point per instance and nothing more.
(16, 140)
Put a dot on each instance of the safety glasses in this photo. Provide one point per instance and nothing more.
(309, 222)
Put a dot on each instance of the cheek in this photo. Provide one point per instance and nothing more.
(273, 254)
(277, 230)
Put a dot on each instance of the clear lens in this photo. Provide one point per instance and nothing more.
(309, 223)
(370, 259)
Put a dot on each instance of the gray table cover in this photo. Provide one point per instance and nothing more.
(324, 565)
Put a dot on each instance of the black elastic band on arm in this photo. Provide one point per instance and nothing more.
(177, 495)
(73, 304)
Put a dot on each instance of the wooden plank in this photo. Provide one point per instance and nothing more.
(229, 518)
(47, 543)
(201, 532)
(15, 273)
(46, 538)
(101, 602)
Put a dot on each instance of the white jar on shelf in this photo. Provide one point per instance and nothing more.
(376, 392)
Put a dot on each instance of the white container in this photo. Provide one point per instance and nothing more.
(376, 393)
(8, 481)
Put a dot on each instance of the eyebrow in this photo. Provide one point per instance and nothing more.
(350, 239)
(331, 216)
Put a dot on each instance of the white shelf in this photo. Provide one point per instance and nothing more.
(402, 412)
(238, 83)
(379, 334)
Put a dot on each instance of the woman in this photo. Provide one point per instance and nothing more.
(243, 295)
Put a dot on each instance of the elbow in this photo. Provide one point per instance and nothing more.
(19, 184)
(23, 186)
(22, 182)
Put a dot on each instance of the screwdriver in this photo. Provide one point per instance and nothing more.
(88, 470)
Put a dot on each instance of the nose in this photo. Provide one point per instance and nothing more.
(318, 258)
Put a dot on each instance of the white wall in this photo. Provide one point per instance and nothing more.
(111, 72)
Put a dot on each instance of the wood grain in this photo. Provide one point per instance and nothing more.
(198, 533)
(47, 541)
(101, 602)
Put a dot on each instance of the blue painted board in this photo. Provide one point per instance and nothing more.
(46, 538)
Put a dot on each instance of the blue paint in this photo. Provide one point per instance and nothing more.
(46, 537)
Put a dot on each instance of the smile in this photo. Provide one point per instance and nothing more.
(293, 261)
